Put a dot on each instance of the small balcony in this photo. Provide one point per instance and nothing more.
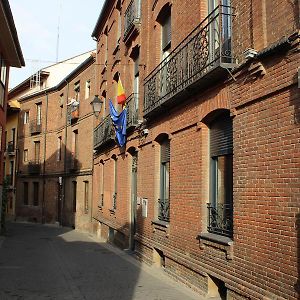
(104, 132)
(220, 219)
(34, 167)
(132, 104)
(35, 126)
(132, 20)
(73, 112)
(72, 164)
(201, 59)
(164, 210)
(11, 148)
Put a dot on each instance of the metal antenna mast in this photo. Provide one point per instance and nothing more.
(58, 25)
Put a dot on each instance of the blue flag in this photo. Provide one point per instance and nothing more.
(120, 122)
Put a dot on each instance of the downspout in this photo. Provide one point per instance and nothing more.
(44, 162)
(65, 158)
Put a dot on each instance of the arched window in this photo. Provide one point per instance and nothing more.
(220, 208)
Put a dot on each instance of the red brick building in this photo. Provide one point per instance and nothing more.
(10, 56)
(55, 143)
(207, 186)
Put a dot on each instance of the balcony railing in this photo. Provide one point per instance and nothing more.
(35, 126)
(132, 110)
(200, 59)
(220, 219)
(164, 210)
(132, 17)
(104, 132)
(34, 167)
(114, 201)
(10, 148)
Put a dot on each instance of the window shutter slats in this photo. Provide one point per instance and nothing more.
(166, 32)
(221, 137)
(165, 152)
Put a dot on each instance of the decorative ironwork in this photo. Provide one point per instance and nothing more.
(114, 201)
(220, 219)
(34, 167)
(35, 126)
(104, 132)
(207, 47)
(10, 147)
(132, 105)
(102, 200)
(132, 16)
(164, 210)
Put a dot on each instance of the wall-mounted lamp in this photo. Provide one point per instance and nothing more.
(97, 105)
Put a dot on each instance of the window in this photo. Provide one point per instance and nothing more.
(164, 201)
(37, 152)
(61, 104)
(102, 185)
(25, 155)
(87, 89)
(119, 20)
(35, 193)
(13, 135)
(59, 148)
(39, 114)
(74, 194)
(26, 117)
(11, 172)
(2, 79)
(106, 45)
(86, 196)
(114, 197)
(166, 33)
(77, 90)
(75, 144)
(220, 208)
(136, 82)
(25, 193)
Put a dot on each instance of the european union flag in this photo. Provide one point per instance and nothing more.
(120, 122)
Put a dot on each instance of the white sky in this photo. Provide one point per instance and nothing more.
(37, 22)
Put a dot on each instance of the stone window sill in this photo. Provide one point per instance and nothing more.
(161, 226)
(220, 242)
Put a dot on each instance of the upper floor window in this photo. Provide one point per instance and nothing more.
(220, 207)
(119, 21)
(39, 113)
(87, 89)
(164, 201)
(37, 151)
(165, 21)
(25, 155)
(26, 117)
(77, 90)
(3, 70)
(61, 104)
(59, 148)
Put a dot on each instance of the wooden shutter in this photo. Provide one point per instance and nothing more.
(165, 151)
(221, 136)
(166, 33)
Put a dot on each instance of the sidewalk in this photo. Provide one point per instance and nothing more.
(43, 262)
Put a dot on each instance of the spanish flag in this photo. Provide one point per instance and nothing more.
(121, 98)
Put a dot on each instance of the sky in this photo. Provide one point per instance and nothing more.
(37, 26)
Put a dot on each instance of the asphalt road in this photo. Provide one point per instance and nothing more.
(43, 262)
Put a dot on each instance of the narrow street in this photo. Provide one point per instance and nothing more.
(43, 262)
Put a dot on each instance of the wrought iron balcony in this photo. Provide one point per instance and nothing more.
(104, 132)
(11, 148)
(220, 219)
(164, 210)
(199, 60)
(114, 201)
(35, 126)
(73, 114)
(34, 167)
(132, 110)
(132, 18)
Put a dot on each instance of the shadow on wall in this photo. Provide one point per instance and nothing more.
(297, 284)
(55, 199)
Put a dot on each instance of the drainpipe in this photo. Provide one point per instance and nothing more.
(44, 161)
(65, 158)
